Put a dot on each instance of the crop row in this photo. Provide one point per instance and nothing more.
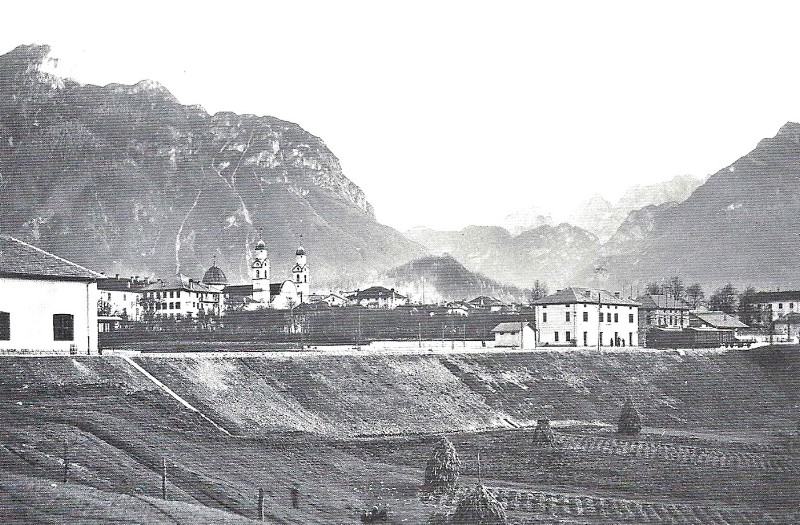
(678, 453)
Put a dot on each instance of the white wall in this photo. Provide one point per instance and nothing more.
(123, 301)
(557, 323)
(32, 303)
(512, 339)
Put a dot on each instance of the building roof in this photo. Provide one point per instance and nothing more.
(215, 275)
(20, 259)
(510, 327)
(239, 289)
(786, 295)
(719, 319)
(661, 302)
(377, 292)
(484, 300)
(300, 251)
(577, 294)
(121, 284)
(275, 289)
(179, 282)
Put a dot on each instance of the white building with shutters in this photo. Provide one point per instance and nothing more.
(584, 317)
(48, 305)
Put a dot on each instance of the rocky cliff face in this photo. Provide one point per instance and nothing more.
(127, 180)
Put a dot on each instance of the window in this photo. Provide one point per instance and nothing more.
(544, 317)
(616, 318)
(630, 318)
(556, 339)
(608, 317)
(585, 316)
(178, 294)
(298, 277)
(568, 316)
(258, 274)
(585, 338)
(63, 327)
(5, 326)
(177, 305)
(630, 338)
(601, 338)
(567, 337)
(305, 278)
(601, 317)
(791, 305)
(780, 306)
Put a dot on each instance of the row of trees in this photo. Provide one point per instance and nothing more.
(726, 298)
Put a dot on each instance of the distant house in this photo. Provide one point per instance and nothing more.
(181, 298)
(773, 305)
(378, 297)
(716, 320)
(459, 308)
(332, 299)
(47, 304)
(587, 317)
(788, 326)
(514, 335)
(660, 311)
(120, 297)
(484, 302)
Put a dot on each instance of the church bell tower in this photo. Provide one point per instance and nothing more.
(300, 275)
(259, 273)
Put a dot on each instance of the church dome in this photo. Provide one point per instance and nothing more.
(300, 251)
(260, 245)
(215, 275)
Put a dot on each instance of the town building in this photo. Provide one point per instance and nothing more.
(514, 335)
(377, 297)
(484, 302)
(47, 304)
(586, 318)
(772, 305)
(181, 298)
(120, 298)
(716, 320)
(331, 299)
(661, 311)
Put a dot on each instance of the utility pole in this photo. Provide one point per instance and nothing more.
(164, 478)
(442, 335)
(419, 333)
(66, 460)
(599, 320)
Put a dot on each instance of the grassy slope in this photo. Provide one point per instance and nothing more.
(422, 394)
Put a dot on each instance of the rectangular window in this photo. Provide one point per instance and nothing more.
(601, 338)
(601, 317)
(616, 318)
(178, 294)
(544, 317)
(567, 336)
(585, 317)
(63, 327)
(556, 337)
(5, 326)
(177, 305)
(608, 317)
(568, 316)
(630, 318)
(780, 306)
(630, 338)
(585, 338)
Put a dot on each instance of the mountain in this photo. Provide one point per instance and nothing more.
(446, 279)
(127, 180)
(602, 218)
(740, 226)
(548, 253)
(526, 219)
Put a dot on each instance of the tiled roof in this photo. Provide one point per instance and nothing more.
(21, 259)
(719, 319)
(113, 284)
(377, 292)
(584, 295)
(179, 282)
(239, 289)
(484, 300)
(786, 295)
(662, 302)
(508, 327)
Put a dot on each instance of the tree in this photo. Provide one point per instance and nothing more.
(103, 308)
(543, 434)
(538, 291)
(725, 299)
(694, 294)
(749, 312)
(479, 507)
(676, 288)
(629, 423)
(443, 467)
(654, 288)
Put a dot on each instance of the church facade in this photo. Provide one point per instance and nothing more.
(262, 292)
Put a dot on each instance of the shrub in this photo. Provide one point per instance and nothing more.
(479, 507)
(443, 467)
(630, 423)
(543, 435)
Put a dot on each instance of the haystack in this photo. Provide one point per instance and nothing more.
(543, 435)
(443, 467)
(479, 507)
(630, 423)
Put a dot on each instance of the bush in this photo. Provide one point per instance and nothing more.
(543, 435)
(479, 507)
(443, 467)
(630, 423)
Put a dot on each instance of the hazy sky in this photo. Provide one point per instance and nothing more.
(456, 113)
